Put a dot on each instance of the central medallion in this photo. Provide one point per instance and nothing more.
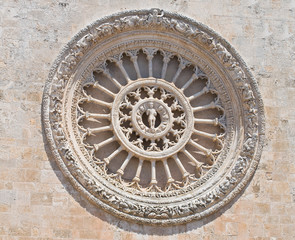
(151, 116)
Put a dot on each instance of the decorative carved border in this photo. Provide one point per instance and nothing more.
(217, 48)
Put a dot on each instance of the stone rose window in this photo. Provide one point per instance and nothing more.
(153, 117)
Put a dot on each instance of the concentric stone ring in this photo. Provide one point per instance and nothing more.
(143, 100)
(153, 117)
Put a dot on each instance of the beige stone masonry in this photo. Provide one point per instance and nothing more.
(38, 202)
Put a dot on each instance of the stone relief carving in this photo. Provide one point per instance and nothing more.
(153, 117)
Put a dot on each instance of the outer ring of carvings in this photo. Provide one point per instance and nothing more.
(220, 49)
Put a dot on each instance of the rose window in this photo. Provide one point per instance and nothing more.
(153, 122)
(153, 117)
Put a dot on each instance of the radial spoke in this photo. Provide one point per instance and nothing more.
(133, 57)
(194, 77)
(92, 116)
(194, 162)
(97, 115)
(191, 157)
(94, 100)
(150, 52)
(135, 63)
(103, 69)
(176, 74)
(114, 81)
(138, 171)
(166, 59)
(103, 89)
(180, 166)
(120, 65)
(182, 65)
(214, 137)
(189, 82)
(198, 94)
(126, 161)
(167, 171)
(137, 68)
(113, 154)
(205, 107)
(207, 152)
(153, 173)
(98, 130)
(164, 68)
(215, 121)
(150, 67)
(105, 142)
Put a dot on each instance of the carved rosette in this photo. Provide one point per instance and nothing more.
(153, 117)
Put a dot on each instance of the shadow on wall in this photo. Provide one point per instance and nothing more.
(125, 225)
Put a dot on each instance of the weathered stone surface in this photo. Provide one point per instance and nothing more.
(32, 34)
(190, 131)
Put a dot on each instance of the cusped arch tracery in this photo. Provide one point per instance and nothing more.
(153, 117)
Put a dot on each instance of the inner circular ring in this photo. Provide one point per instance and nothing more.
(154, 110)
(141, 153)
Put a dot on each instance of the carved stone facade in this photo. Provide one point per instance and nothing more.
(153, 117)
(38, 201)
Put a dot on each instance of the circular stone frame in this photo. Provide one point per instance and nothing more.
(194, 202)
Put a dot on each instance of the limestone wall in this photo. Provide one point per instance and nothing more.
(37, 202)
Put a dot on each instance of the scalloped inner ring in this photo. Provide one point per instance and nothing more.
(153, 107)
